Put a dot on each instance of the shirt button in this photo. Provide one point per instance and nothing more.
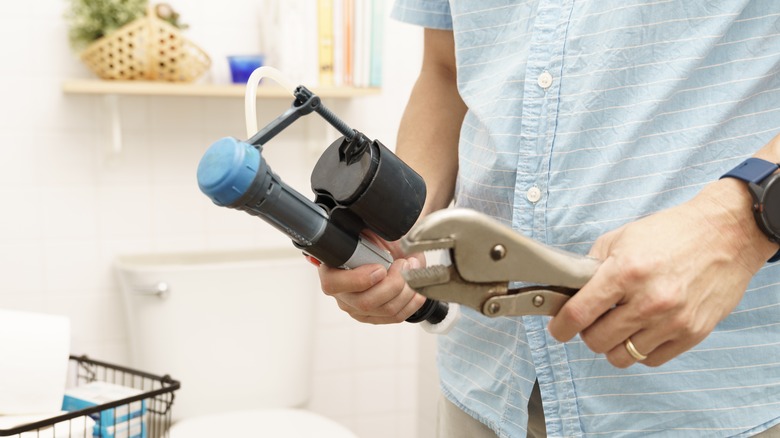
(533, 194)
(545, 80)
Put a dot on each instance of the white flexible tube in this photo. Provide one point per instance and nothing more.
(250, 98)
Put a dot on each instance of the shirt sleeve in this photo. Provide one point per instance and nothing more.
(434, 14)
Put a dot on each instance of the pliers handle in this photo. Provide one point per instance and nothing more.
(486, 256)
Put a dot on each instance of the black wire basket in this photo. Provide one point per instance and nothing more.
(157, 397)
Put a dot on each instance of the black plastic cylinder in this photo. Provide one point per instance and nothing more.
(382, 190)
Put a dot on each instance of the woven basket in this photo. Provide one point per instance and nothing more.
(148, 49)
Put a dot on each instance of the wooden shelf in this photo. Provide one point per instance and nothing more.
(151, 88)
(112, 90)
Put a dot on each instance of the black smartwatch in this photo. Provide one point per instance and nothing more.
(764, 187)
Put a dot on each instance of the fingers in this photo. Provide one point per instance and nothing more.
(659, 338)
(335, 281)
(371, 294)
(656, 287)
(586, 306)
(668, 351)
(605, 318)
(630, 351)
(651, 345)
(392, 316)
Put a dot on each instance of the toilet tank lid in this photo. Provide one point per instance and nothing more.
(168, 260)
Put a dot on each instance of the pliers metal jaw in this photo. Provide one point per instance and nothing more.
(486, 256)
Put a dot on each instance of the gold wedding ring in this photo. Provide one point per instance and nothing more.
(633, 351)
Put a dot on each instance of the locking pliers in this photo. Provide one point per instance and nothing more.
(485, 257)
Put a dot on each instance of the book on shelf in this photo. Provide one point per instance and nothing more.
(348, 28)
(325, 45)
(295, 42)
(376, 50)
(338, 44)
(360, 29)
(357, 38)
(333, 42)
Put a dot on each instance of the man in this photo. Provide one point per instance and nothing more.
(602, 127)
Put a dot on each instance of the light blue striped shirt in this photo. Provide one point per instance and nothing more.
(584, 115)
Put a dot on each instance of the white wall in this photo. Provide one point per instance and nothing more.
(70, 208)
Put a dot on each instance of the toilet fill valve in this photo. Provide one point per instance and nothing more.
(358, 184)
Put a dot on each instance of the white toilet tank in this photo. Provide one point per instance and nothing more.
(234, 327)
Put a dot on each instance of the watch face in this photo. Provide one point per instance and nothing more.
(771, 204)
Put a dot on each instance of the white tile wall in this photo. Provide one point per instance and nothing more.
(70, 207)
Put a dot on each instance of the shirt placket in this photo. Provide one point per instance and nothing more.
(539, 113)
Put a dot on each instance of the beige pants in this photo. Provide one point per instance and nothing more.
(454, 423)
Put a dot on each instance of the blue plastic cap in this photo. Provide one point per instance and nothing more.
(227, 169)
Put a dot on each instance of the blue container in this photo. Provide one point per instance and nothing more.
(241, 66)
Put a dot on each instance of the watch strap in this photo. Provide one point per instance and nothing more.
(754, 170)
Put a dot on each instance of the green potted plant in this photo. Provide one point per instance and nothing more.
(90, 20)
